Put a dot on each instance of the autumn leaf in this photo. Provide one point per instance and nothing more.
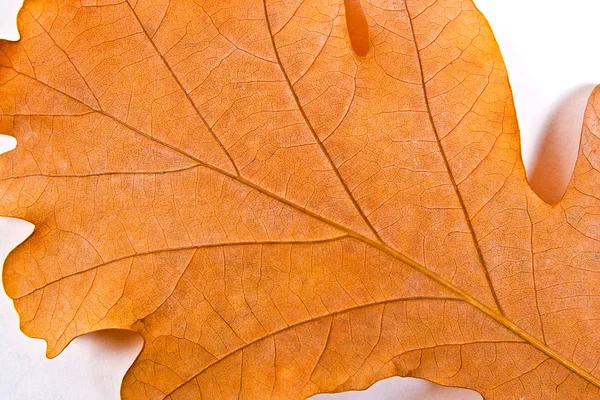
(279, 215)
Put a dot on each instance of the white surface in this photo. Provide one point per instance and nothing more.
(549, 48)
(8, 19)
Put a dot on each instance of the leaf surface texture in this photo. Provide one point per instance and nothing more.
(279, 216)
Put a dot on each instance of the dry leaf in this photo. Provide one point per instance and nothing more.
(279, 216)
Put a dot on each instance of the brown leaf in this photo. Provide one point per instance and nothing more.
(279, 216)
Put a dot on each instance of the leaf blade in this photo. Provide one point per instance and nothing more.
(188, 202)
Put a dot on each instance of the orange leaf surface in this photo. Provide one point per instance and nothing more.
(293, 197)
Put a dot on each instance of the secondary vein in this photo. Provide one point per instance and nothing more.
(312, 129)
(449, 169)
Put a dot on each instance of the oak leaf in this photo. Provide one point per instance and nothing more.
(279, 215)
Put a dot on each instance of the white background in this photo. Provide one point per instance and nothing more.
(550, 48)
